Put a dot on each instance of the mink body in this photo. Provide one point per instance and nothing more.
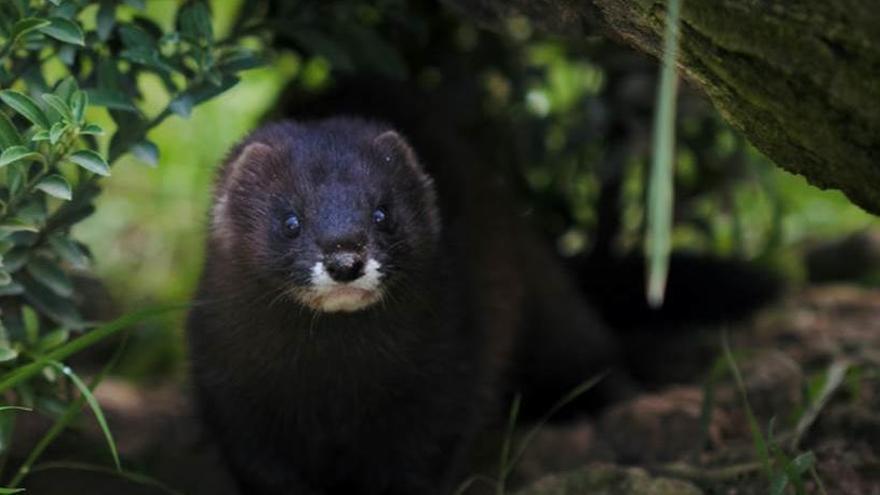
(372, 382)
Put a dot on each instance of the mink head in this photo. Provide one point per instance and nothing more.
(335, 214)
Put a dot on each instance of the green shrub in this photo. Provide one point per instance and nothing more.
(58, 60)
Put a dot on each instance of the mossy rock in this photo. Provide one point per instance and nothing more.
(607, 479)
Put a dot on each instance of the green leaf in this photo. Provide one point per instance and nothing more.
(9, 135)
(16, 258)
(31, 323)
(117, 100)
(92, 129)
(149, 57)
(135, 38)
(67, 54)
(57, 186)
(51, 275)
(64, 30)
(172, 38)
(57, 131)
(96, 408)
(79, 100)
(200, 93)
(182, 105)
(239, 59)
(34, 211)
(16, 174)
(91, 161)
(68, 250)
(59, 105)
(13, 289)
(18, 153)
(106, 19)
(7, 354)
(41, 135)
(10, 491)
(27, 25)
(779, 483)
(26, 106)
(53, 339)
(194, 21)
(802, 463)
(16, 225)
(146, 151)
(60, 310)
(66, 88)
(5, 277)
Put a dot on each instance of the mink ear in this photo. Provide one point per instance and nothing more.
(237, 162)
(393, 144)
(239, 165)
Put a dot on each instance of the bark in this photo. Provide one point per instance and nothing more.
(800, 78)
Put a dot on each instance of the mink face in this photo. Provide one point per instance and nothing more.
(336, 215)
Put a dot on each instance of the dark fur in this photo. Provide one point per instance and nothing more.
(384, 400)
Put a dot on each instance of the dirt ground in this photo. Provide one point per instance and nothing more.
(809, 372)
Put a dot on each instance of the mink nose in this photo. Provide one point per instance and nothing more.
(344, 266)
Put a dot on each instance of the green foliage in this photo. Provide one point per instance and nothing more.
(60, 63)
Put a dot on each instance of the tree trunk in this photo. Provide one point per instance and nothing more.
(799, 78)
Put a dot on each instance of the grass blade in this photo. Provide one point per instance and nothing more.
(757, 437)
(95, 407)
(833, 379)
(70, 414)
(503, 462)
(574, 394)
(15, 408)
(90, 338)
(658, 241)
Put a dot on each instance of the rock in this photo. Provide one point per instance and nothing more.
(659, 427)
(556, 448)
(608, 479)
(774, 384)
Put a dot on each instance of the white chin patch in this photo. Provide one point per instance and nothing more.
(326, 294)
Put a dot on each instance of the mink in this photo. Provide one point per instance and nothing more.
(358, 322)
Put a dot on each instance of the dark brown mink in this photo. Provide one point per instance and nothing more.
(357, 321)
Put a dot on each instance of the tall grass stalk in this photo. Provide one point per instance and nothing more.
(658, 241)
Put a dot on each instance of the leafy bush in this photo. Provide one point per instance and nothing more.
(59, 59)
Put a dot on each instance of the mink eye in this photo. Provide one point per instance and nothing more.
(292, 225)
(380, 216)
